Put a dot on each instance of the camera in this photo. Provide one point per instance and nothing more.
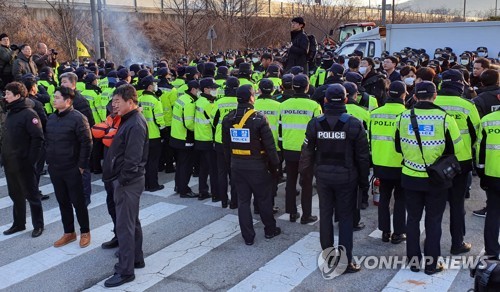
(53, 52)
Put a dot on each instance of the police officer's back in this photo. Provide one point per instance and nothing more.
(336, 144)
(249, 146)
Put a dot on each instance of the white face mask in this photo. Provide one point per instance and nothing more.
(230, 61)
(155, 87)
(440, 63)
(409, 81)
(437, 56)
(377, 66)
(213, 92)
(464, 62)
(423, 59)
(327, 47)
(198, 93)
(481, 54)
(255, 60)
(219, 60)
(363, 70)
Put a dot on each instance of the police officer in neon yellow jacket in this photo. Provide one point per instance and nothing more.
(487, 158)
(295, 114)
(92, 94)
(467, 118)
(182, 138)
(387, 163)
(204, 138)
(440, 135)
(152, 110)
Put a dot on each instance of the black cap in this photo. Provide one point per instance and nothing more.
(266, 85)
(209, 69)
(191, 71)
(90, 78)
(299, 20)
(273, 70)
(245, 68)
(135, 67)
(232, 82)
(425, 89)
(142, 73)
(287, 80)
(297, 70)
(336, 93)
(113, 74)
(397, 89)
(354, 77)
(162, 72)
(208, 83)
(452, 75)
(244, 92)
(337, 70)
(327, 55)
(146, 81)
(193, 84)
(300, 81)
(351, 88)
(80, 72)
(109, 65)
(123, 73)
(222, 70)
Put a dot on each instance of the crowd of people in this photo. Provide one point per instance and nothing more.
(249, 121)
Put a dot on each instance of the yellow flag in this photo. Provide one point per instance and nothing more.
(81, 50)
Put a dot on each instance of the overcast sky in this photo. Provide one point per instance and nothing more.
(473, 6)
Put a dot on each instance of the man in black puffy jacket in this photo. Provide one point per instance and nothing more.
(21, 145)
(68, 146)
(124, 168)
(297, 53)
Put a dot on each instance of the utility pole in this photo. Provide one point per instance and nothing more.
(384, 4)
(465, 5)
(95, 29)
(496, 7)
(393, 10)
(101, 30)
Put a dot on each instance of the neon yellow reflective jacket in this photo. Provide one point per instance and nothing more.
(168, 98)
(488, 146)
(221, 108)
(94, 99)
(271, 109)
(203, 130)
(183, 117)
(152, 110)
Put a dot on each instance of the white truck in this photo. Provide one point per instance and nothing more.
(460, 36)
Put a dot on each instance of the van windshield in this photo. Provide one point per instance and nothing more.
(350, 48)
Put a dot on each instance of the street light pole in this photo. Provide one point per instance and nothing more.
(384, 4)
(393, 10)
(95, 29)
(496, 7)
(465, 5)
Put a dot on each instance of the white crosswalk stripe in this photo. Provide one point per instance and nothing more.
(38, 262)
(378, 233)
(314, 210)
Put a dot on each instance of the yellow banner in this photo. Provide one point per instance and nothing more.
(81, 50)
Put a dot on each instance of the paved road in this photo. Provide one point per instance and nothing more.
(193, 245)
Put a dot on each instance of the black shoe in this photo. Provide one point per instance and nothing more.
(215, 199)
(414, 269)
(139, 264)
(14, 229)
(99, 171)
(480, 213)
(118, 280)
(44, 172)
(110, 244)
(294, 217)
(189, 194)
(256, 212)
(202, 197)
(310, 219)
(157, 188)
(277, 232)
(249, 242)
(398, 238)
(463, 248)
(352, 268)
(298, 193)
(196, 173)
(225, 204)
(364, 205)
(276, 209)
(439, 268)
(170, 169)
(233, 206)
(282, 179)
(467, 195)
(359, 227)
(386, 236)
(44, 197)
(37, 232)
(117, 254)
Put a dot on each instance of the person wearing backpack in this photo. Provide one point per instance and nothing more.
(298, 51)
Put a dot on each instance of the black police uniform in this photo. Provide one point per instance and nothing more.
(250, 148)
(337, 146)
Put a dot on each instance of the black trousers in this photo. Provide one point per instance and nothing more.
(342, 198)
(492, 223)
(22, 185)
(68, 187)
(167, 153)
(259, 183)
(152, 163)
(110, 202)
(128, 226)
(387, 186)
(456, 199)
(40, 164)
(208, 166)
(222, 174)
(184, 169)
(434, 203)
(292, 173)
(96, 155)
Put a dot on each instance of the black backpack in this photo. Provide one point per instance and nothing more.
(486, 276)
(313, 47)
